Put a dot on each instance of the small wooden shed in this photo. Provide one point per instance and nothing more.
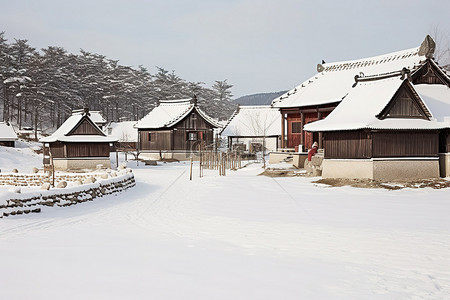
(8, 136)
(78, 144)
(174, 129)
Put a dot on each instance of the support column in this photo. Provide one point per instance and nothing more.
(283, 135)
(319, 117)
(302, 120)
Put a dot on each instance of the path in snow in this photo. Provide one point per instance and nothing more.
(236, 237)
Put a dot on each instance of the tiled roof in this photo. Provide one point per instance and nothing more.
(170, 112)
(335, 80)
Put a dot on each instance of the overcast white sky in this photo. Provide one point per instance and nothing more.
(258, 45)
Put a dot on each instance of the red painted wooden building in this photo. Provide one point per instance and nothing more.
(318, 96)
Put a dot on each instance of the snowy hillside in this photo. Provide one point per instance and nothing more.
(22, 157)
(258, 99)
(241, 236)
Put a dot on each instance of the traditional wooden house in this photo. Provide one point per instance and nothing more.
(78, 144)
(254, 126)
(174, 129)
(382, 130)
(8, 136)
(318, 96)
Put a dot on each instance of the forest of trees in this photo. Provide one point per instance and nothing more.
(40, 88)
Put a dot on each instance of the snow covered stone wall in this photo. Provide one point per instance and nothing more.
(16, 179)
(34, 201)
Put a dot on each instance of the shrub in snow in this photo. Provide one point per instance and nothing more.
(113, 174)
(104, 176)
(61, 184)
(15, 190)
(15, 171)
(45, 186)
(122, 167)
(78, 182)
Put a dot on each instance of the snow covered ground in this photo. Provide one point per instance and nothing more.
(241, 236)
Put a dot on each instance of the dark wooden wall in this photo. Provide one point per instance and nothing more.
(85, 128)
(406, 144)
(68, 150)
(7, 143)
(177, 137)
(155, 139)
(347, 144)
(427, 75)
(444, 141)
(361, 144)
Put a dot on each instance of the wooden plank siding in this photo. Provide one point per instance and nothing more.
(68, 150)
(444, 141)
(347, 144)
(427, 74)
(406, 144)
(297, 118)
(177, 137)
(385, 144)
(58, 150)
(85, 128)
(156, 139)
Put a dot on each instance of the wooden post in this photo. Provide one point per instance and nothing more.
(283, 136)
(190, 173)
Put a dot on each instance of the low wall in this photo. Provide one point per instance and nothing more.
(277, 157)
(33, 202)
(15, 179)
(408, 169)
(347, 168)
(381, 169)
(80, 164)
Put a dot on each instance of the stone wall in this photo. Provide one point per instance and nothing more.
(34, 201)
(16, 179)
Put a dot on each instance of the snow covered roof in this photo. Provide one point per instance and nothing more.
(335, 80)
(62, 133)
(255, 121)
(95, 116)
(170, 112)
(7, 133)
(124, 131)
(364, 102)
(437, 98)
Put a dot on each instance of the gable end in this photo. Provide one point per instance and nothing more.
(85, 127)
(405, 103)
(430, 73)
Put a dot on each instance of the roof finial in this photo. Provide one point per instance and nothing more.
(320, 68)
(86, 111)
(427, 47)
(194, 100)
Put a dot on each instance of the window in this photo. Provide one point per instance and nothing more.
(149, 136)
(192, 136)
(193, 121)
(296, 127)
